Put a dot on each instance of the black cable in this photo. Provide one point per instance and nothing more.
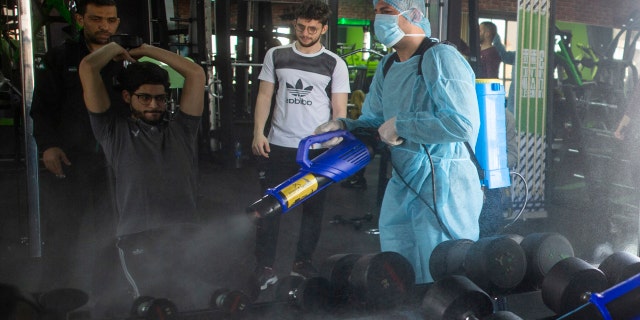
(433, 185)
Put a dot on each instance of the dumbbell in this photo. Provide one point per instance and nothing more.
(305, 294)
(496, 264)
(620, 266)
(503, 315)
(447, 258)
(149, 308)
(337, 269)
(381, 280)
(569, 283)
(61, 301)
(456, 297)
(16, 304)
(355, 222)
(543, 251)
(515, 237)
(231, 302)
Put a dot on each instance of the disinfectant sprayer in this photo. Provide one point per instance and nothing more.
(333, 165)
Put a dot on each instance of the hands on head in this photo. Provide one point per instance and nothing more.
(130, 55)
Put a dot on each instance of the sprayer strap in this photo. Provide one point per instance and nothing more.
(427, 44)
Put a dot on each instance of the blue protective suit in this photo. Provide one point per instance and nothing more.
(437, 110)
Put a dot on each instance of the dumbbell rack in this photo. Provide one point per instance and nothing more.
(527, 305)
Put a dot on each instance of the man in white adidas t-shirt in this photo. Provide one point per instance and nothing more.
(311, 86)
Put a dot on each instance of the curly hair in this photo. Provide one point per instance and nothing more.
(314, 10)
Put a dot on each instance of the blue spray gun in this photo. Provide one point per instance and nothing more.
(333, 165)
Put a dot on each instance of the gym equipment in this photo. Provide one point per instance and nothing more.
(496, 264)
(337, 269)
(333, 165)
(503, 315)
(61, 301)
(127, 41)
(447, 258)
(543, 250)
(515, 237)
(149, 308)
(620, 266)
(456, 298)
(568, 284)
(619, 303)
(14, 300)
(356, 222)
(381, 280)
(232, 302)
(251, 287)
(307, 295)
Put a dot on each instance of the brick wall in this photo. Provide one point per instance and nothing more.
(607, 13)
(357, 9)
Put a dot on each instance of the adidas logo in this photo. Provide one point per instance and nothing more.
(299, 91)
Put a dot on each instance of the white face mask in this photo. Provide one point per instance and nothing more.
(388, 31)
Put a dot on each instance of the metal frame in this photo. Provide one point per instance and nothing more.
(31, 150)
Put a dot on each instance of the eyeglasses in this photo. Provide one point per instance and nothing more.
(145, 99)
(310, 29)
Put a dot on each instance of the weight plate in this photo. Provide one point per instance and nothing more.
(161, 309)
(235, 302)
(382, 280)
(217, 297)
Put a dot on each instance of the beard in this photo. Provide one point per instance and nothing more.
(97, 38)
(311, 44)
(140, 115)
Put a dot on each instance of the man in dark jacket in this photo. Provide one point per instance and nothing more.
(78, 219)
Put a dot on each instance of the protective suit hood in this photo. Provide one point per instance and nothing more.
(413, 10)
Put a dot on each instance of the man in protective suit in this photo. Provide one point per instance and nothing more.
(425, 108)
